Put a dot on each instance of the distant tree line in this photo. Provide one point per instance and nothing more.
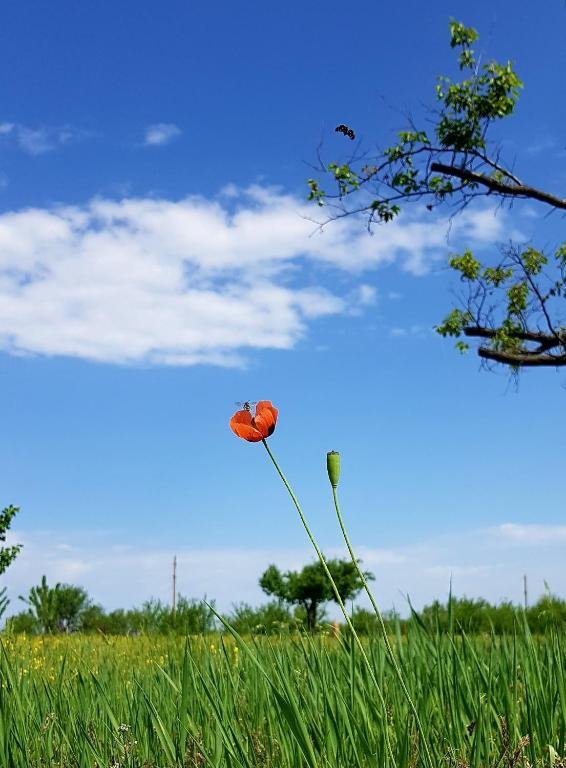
(300, 600)
(472, 616)
(65, 608)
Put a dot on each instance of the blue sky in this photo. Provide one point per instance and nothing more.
(157, 264)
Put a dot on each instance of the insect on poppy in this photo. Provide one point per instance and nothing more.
(254, 428)
(245, 405)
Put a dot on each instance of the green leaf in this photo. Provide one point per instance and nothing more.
(461, 35)
(517, 295)
(466, 264)
(454, 323)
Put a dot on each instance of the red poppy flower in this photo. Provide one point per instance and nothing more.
(254, 428)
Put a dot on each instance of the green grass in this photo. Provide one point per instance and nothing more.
(284, 702)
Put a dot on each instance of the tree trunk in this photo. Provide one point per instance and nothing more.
(311, 615)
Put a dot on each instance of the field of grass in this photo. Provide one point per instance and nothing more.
(286, 702)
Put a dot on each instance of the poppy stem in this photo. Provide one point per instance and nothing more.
(377, 612)
(336, 595)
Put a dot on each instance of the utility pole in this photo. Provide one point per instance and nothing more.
(174, 603)
(525, 591)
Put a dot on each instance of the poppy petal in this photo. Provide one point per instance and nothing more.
(265, 423)
(265, 405)
(241, 425)
(241, 417)
(261, 404)
(246, 432)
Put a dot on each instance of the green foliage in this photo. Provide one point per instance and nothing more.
(191, 617)
(517, 295)
(503, 300)
(454, 323)
(7, 554)
(70, 603)
(384, 211)
(510, 305)
(42, 605)
(22, 623)
(310, 587)
(467, 265)
(58, 608)
(496, 276)
(67, 608)
(440, 186)
(469, 105)
(269, 619)
(548, 613)
(533, 260)
(461, 36)
(366, 622)
(472, 616)
(94, 619)
(469, 616)
(315, 192)
(345, 177)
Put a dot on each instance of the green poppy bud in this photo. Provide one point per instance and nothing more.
(333, 467)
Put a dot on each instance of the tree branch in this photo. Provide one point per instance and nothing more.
(545, 340)
(507, 190)
(524, 358)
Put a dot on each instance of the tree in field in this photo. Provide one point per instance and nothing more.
(58, 608)
(310, 587)
(7, 554)
(71, 601)
(514, 304)
(41, 602)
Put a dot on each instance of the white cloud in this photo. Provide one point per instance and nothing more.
(478, 563)
(38, 141)
(156, 281)
(161, 133)
(531, 534)
(362, 297)
(367, 294)
(413, 330)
